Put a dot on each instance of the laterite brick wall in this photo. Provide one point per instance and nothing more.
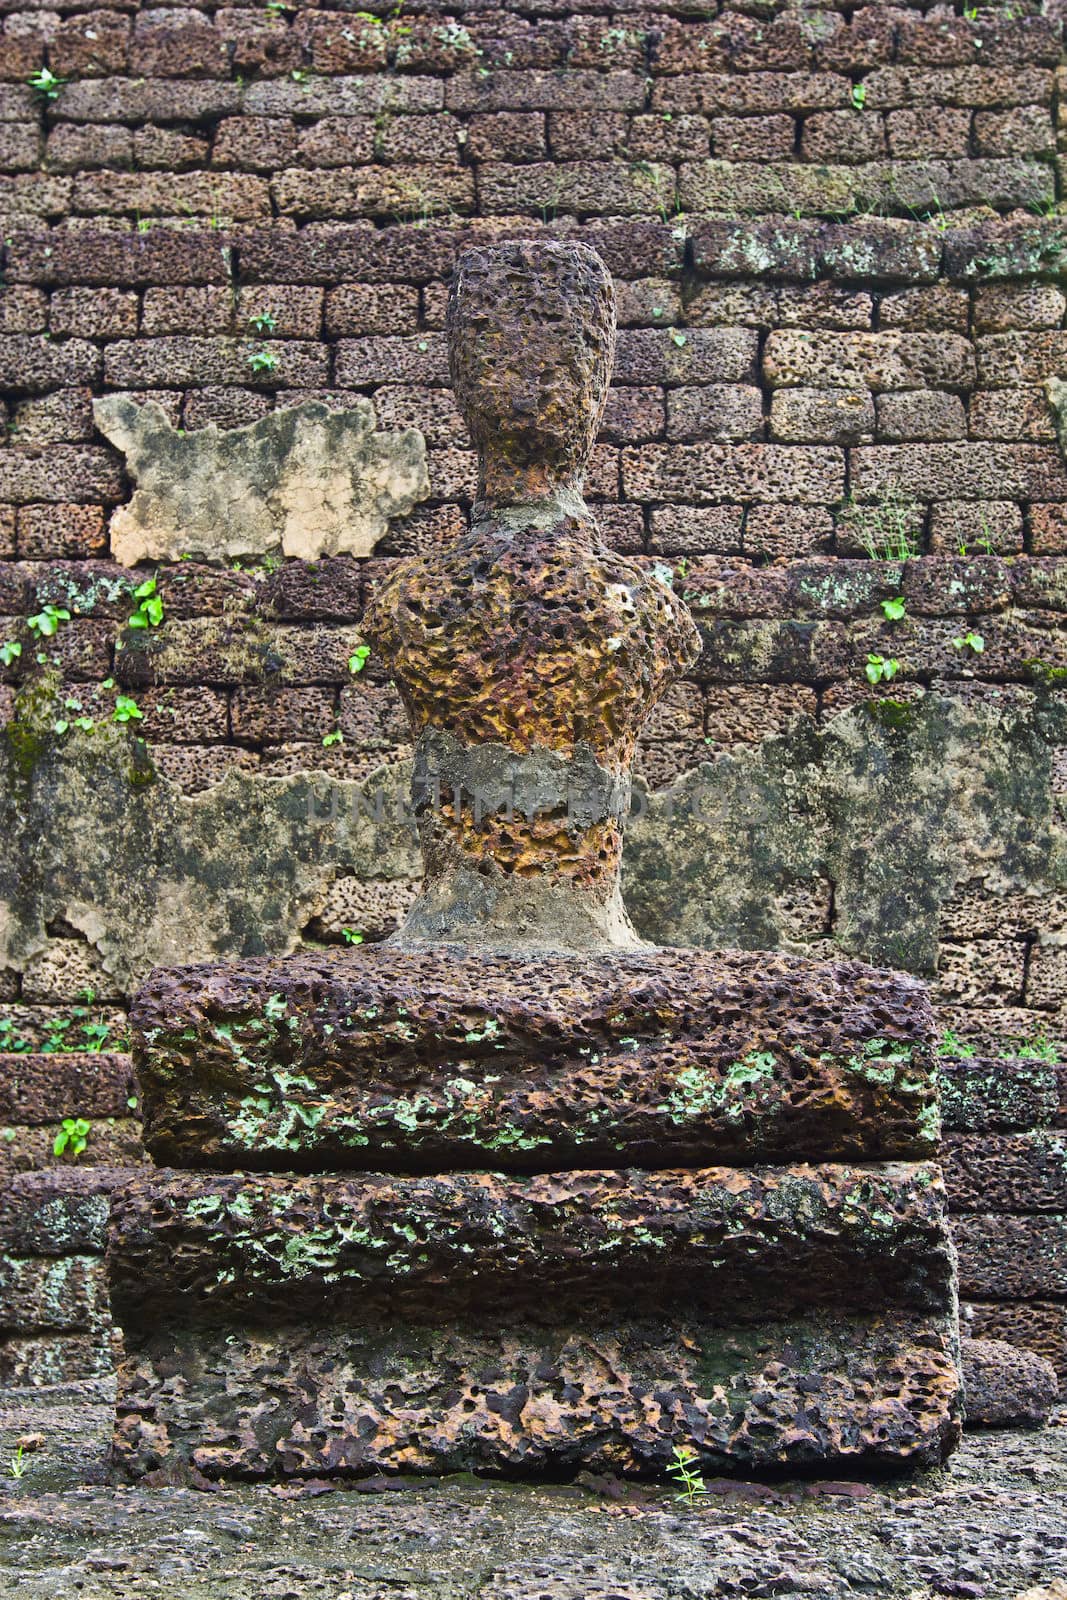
(838, 249)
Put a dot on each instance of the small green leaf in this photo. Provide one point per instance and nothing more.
(894, 610)
(359, 658)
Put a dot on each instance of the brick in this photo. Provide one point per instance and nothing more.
(932, 131)
(546, 91)
(696, 530)
(339, 44)
(196, 309)
(890, 87)
(297, 310)
(614, 187)
(195, 361)
(234, 196)
(46, 531)
(743, 472)
(985, 972)
(416, 191)
(745, 43)
(961, 471)
(135, 100)
(371, 308)
(507, 136)
(587, 135)
(747, 186)
(332, 97)
(20, 147)
(760, 652)
(73, 149)
(93, 313)
(847, 136)
(1024, 130)
(1046, 978)
(166, 148)
(66, 415)
(1006, 249)
(176, 44)
(957, 585)
(822, 416)
(927, 414)
(437, 138)
(755, 93)
(797, 250)
(878, 361)
(313, 591)
(786, 532)
(1041, 584)
(747, 715)
(90, 46)
(8, 524)
(34, 194)
(183, 716)
(82, 1084)
(1048, 529)
(975, 527)
(22, 310)
(382, 359)
(946, 40)
(276, 715)
(99, 256)
(692, 355)
(265, 144)
(717, 411)
(1022, 413)
(653, 138)
(1012, 358)
(1005, 1172)
(1007, 308)
(923, 310)
(68, 1291)
(63, 472)
(632, 415)
(373, 718)
(194, 768)
(935, 186)
(769, 138)
(648, 303)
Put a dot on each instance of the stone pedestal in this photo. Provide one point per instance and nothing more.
(516, 1192)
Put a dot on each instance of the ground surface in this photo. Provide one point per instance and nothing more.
(990, 1526)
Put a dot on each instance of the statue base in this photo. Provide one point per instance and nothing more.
(537, 1213)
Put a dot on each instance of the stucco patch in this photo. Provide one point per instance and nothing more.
(303, 482)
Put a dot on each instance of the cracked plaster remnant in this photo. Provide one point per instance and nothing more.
(304, 482)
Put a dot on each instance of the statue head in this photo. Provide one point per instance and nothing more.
(531, 337)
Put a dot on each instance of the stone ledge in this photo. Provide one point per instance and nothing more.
(395, 1060)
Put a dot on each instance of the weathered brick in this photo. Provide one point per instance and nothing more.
(957, 585)
(946, 40)
(398, 192)
(168, 150)
(194, 361)
(587, 135)
(961, 471)
(383, 359)
(507, 136)
(633, 415)
(339, 43)
(63, 472)
(297, 310)
(136, 100)
(754, 93)
(717, 411)
(798, 250)
(371, 308)
(92, 45)
(769, 138)
(334, 97)
(1046, 978)
(760, 651)
(276, 715)
(695, 530)
(20, 147)
(974, 527)
(1012, 358)
(877, 361)
(1048, 529)
(46, 531)
(195, 309)
(985, 972)
(176, 44)
(1022, 413)
(22, 310)
(931, 131)
(93, 313)
(786, 532)
(91, 255)
(614, 187)
(929, 414)
(1005, 308)
(73, 149)
(847, 136)
(64, 416)
(34, 194)
(822, 416)
(691, 355)
(545, 91)
(743, 714)
(890, 87)
(648, 303)
(1024, 130)
(263, 144)
(1007, 248)
(743, 472)
(654, 138)
(747, 186)
(234, 196)
(921, 310)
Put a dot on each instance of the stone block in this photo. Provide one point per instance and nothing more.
(822, 416)
(364, 1085)
(702, 473)
(926, 414)
(1005, 1387)
(718, 411)
(877, 361)
(1016, 1172)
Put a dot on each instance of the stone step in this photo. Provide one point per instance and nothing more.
(513, 1396)
(730, 1242)
(437, 1060)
